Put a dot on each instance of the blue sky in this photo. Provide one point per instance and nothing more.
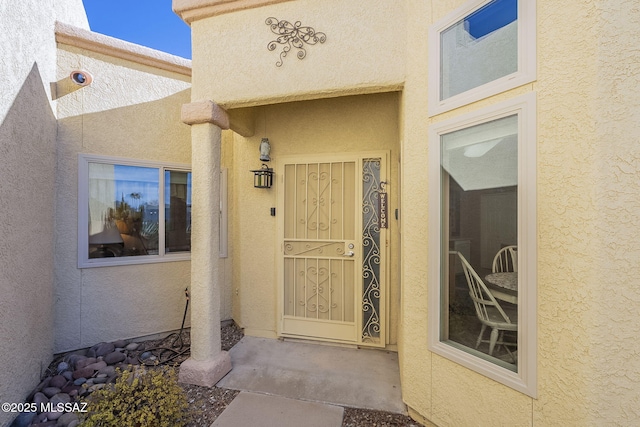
(149, 23)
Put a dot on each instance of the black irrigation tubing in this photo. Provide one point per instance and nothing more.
(167, 354)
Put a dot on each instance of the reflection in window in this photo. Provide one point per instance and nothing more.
(479, 191)
(124, 215)
(177, 211)
(480, 48)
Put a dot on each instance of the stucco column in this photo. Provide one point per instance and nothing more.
(208, 363)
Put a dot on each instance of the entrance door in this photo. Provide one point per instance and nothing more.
(332, 271)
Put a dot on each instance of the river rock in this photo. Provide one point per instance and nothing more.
(73, 359)
(39, 398)
(66, 419)
(60, 398)
(23, 420)
(97, 366)
(132, 346)
(54, 415)
(82, 373)
(114, 357)
(83, 363)
(57, 381)
(100, 380)
(62, 366)
(50, 391)
(107, 371)
(103, 348)
(119, 343)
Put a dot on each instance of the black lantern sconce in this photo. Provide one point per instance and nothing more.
(263, 177)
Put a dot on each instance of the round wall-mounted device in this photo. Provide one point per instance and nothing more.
(81, 77)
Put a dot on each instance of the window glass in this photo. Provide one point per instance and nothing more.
(177, 202)
(132, 211)
(123, 210)
(479, 191)
(480, 48)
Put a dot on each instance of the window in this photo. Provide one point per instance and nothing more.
(483, 186)
(132, 212)
(482, 48)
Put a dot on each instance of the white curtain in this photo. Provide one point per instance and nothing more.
(102, 193)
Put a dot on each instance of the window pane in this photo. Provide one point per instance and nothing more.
(177, 201)
(480, 48)
(480, 217)
(123, 210)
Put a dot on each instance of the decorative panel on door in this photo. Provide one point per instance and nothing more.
(331, 271)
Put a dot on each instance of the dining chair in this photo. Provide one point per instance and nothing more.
(506, 260)
(489, 311)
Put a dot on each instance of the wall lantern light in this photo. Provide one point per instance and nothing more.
(263, 177)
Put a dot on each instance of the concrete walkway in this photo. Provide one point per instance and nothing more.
(253, 409)
(282, 377)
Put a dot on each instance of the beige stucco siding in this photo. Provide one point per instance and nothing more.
(341, 125)
(587, 189)
(588, 249)
(131, 111)
(27, 174)
(357, 57)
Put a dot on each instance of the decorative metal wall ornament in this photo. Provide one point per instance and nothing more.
(292, 36)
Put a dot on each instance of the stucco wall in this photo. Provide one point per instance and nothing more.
(587, 172)
(27, 173)
(587, 188)
(339, 125)
(132, 111)
(359, 56)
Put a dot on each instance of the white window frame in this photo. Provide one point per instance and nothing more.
(526, 72)
(83, 213)
(524, 380)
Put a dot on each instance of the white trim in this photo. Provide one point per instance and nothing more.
(83, 212)
(525, 379)
(526, 72)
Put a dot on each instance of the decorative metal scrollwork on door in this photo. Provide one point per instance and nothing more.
(371, 290)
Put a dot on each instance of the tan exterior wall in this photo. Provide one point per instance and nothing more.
(133, 111)
(27, 173)
(340, 125)
(359, 56)
(587, 187)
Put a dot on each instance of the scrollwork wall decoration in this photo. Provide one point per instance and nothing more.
(292, 36)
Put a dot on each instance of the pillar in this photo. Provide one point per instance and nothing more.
(208, 363)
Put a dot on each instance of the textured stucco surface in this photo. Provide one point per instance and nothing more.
(339, 125)
(588, 222)
(587, 189)
(132, 111)
(27, 173)
(359, 55)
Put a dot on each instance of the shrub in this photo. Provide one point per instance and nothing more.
(139, 398)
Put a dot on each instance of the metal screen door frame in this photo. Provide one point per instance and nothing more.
(332, 282)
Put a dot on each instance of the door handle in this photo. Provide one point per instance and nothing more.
(349, 254)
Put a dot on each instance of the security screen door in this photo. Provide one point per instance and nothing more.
(333, 263)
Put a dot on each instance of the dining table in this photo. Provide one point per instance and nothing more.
(503, 286)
